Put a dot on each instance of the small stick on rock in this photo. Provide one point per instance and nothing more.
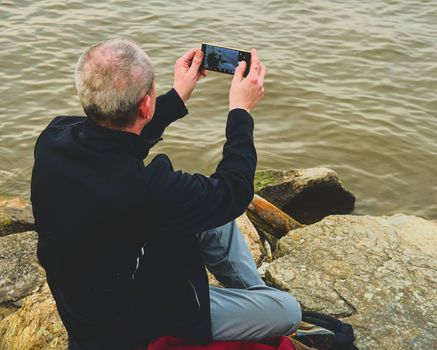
(270, 218)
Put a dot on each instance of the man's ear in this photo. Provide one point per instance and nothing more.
(144, 109)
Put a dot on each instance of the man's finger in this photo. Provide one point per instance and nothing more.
(239, 71)
(201, 73)
(262, 74)
(254, 56)
(197, 61)
(254, 65)
(188, 56)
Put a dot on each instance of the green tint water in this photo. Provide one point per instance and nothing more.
(351, 85)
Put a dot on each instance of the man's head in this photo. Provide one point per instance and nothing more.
(115, 83)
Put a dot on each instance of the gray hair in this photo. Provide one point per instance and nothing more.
(111, 78)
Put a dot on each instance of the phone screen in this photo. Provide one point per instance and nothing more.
(223, 59)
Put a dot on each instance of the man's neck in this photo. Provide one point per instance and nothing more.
(134, 129)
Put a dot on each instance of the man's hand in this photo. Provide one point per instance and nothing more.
(246, 92)
(186, 73)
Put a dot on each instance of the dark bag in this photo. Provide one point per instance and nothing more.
(343, 334)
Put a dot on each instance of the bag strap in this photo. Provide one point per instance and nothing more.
(343, 332)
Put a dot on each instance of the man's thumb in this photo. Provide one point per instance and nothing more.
(239, 71)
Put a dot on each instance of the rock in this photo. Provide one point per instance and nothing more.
(15, 216)
(252, 238)
(268, 250)
(20, 272)
(6, 309)
(262, 269)
(35, 326)
(269, 240)
(379, 273)
(212, 280)
(270, 218)
(307, 195)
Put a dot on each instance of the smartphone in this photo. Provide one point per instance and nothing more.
(223, 59)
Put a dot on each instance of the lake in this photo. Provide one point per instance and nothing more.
(352, 85)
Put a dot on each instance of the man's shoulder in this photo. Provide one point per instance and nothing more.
(57, 126)
(63, 121)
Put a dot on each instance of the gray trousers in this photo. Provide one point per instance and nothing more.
(246, 309)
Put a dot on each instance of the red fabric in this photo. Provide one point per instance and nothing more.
(172, 343)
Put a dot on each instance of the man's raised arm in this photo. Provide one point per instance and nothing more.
(185, 204)
(171, 106)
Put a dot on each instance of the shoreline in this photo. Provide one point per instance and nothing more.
(375, 272)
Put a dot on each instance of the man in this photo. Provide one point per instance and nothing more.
(125, 244)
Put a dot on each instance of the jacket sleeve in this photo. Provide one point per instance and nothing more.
(188, 204)
(169, 107)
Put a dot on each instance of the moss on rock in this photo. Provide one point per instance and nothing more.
(265, 178)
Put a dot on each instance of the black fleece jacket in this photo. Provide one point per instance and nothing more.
(117, 237)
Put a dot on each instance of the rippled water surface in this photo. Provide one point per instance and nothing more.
(352, 85)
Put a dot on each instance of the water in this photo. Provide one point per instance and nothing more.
(352, 85)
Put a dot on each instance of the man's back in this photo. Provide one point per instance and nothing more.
(103, 220)
(117, 238)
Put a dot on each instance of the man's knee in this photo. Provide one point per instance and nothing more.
(291, 315)
(288, 314)
(253, 314)
(283, 311)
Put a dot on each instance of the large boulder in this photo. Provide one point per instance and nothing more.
(15, 215)
(35, 326)
(307, 195)
(378, 273)
(20, 272)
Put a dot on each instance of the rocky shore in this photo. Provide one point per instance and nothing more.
(377, 273)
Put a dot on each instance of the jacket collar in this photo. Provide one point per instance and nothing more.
(112, 139)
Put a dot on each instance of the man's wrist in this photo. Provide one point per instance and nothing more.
(239, 116)
(231, 108)
(183, 97)
(173, 105)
